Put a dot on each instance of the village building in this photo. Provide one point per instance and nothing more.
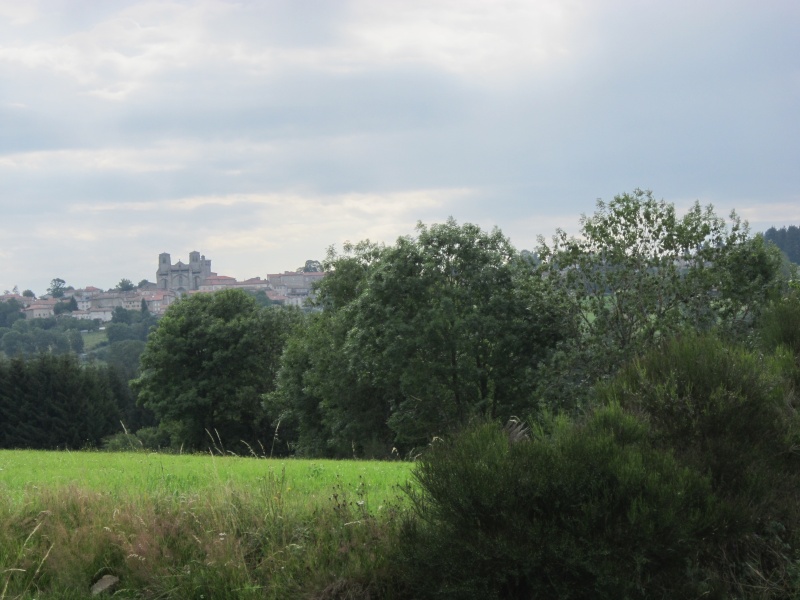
(181, 277)
(40, 309)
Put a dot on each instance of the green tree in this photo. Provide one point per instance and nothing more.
(452, 324)
(66, 306)
(323, 407)
(51, 401)
(638, 273)
(729, 413)
(125, 285)
(207, 365)
(578, 509)
(122, 315)
(420, 336)
(57, 287)
(10, 311)
(29, 294)
(311, 266)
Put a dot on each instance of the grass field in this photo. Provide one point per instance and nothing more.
(196, 526)
(92, 339)
(24, 472)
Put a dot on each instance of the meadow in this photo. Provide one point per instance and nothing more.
(196, 526)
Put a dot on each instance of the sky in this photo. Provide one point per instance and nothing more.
(262, 132)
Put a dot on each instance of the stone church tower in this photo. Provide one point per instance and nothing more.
(181, 277)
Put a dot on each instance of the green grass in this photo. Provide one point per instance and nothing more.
(24, 472)
(92, 339)
(197, 526)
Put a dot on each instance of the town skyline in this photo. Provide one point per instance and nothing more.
(152, 278)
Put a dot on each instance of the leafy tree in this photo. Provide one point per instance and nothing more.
(639, 273)
(311, 266)
(452, 324)
(66, 307)
(57, 287)
(10, 311)
(207, 365)
(142, 283)
(29, 294)
(420, 336)
(261, 298)
(323, 407)
(121, 315)
(125, 285)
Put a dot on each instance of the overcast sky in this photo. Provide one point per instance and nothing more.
(260, 132)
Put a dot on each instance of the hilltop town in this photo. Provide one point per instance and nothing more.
(173, 281)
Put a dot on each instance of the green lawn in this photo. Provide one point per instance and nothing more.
(92, 339)
(24, 472)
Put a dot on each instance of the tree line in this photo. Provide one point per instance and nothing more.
(418, 338)
(787, 239)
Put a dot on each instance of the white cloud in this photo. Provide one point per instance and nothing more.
(123, 54)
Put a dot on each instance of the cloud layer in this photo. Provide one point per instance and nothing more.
(260, 133)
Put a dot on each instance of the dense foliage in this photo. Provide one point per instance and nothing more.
(583, 509)
(416, 339)
(787, 239)
(682, 483)
(53, 335)
(52, 401)
(207, 365)
(639, 274)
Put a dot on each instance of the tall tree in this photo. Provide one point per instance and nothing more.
(638, 273)
(452, 324)
(207, 365)
(57, 287)
(421, 336)
(125, 285)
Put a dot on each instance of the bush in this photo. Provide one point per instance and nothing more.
(582, 510)
(780, 325)
(728, 412)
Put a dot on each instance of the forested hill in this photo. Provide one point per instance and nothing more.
(787, 239)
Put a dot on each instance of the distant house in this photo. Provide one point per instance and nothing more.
(214, 283)
(296, 287)
(104, 315)
(23, 300)
(40, 309)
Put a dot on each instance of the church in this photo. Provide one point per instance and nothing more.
(181, 277)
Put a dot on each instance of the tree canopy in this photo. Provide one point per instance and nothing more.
(638, 273)
(57, 287)
(208, 363)
(421, 336)
(125, 285)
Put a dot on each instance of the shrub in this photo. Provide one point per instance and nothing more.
(728, 412)
(581, 510)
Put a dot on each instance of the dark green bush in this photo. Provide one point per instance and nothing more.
(581, 510)
(728, 412)
(780, 323)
